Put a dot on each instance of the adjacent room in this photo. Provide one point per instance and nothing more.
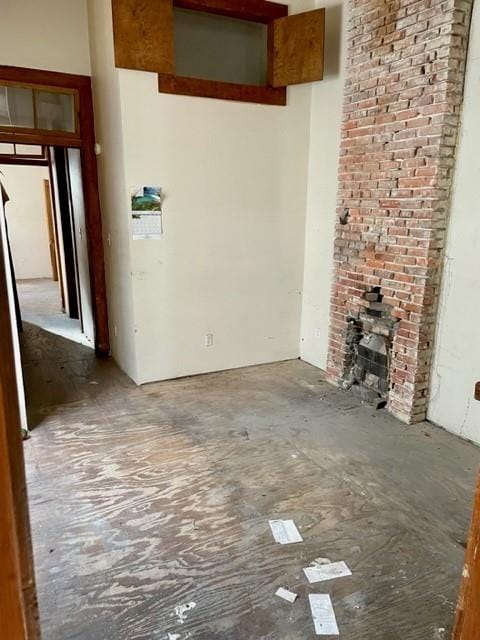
(239, 373)
(45, 226)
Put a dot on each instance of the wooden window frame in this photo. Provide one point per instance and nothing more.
(39, 159)
(85, 141)
(144, 40)
(260, 11)
(75, 135)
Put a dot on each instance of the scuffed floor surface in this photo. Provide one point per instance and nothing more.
(145, 499)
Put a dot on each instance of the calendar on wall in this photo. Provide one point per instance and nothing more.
(146, 213)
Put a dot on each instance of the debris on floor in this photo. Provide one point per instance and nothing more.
(181, 611)
(321, 572)
(323, 615)
(285, 531)
(287, 595)
(319, 561)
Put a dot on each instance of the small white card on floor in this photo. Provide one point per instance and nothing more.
(285, 531)
(323, 615)
(286, 594)
(319, 573)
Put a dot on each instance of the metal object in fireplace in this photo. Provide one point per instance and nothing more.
(370, 342)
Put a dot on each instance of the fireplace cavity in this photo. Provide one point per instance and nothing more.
(369, 344)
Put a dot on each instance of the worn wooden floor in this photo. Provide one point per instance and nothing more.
(40, 304)
(143, 500)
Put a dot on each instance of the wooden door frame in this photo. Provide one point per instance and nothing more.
(52, 235)
(86, 143)
(18, 599)
(467, 623)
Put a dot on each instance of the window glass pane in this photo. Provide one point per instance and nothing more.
(55, 111)
(219, 48)
(6, 148)
(29, 150)
(16, 107)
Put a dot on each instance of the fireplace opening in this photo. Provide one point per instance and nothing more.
(369, 347)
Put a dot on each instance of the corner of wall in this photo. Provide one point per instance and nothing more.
(326, 110)
(113, 188)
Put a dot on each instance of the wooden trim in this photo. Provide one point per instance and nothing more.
(143, 35)
(221, 90)
(47, 138)
(11, 596)
(86, 143)
(23, 161)
(253, 10)
(18, 603)
(297, 51)
(477, 391)
(26, 76)
(467, 623)
(52, 245)
(74, 135)
(93, 223)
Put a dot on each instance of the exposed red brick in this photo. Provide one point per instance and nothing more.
(403, 93)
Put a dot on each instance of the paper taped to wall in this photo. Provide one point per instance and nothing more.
(146, 213)
(323, 615)
(318, 573)
(285, 531)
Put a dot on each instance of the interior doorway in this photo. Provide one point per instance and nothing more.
(55, 112)
(46, 123)
(45, 224)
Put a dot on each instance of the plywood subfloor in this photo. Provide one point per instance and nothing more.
(144, 499)
(40, 304)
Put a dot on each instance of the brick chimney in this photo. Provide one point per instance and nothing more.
(403, 96)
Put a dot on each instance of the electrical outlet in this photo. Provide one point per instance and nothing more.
(208, 340)
(318, 332)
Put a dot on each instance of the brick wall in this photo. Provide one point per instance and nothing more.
(402, 100)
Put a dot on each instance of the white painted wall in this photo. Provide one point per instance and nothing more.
(326, 116)
(113, 190)
(27, 220)
(231, 260)
(45, 34)
(456, 365)
(17, 356)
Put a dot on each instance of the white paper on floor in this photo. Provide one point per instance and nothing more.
(323, 615)
(182, 609)
(319, 573)
(286, 594)
(285, 531)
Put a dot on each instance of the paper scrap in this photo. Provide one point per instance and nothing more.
(181, 611)
(285, 531)
(319, 573)
(146, 225)
(286, 594)
(323, 615)
(318, 561)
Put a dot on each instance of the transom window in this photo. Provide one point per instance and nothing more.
(36, 108)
